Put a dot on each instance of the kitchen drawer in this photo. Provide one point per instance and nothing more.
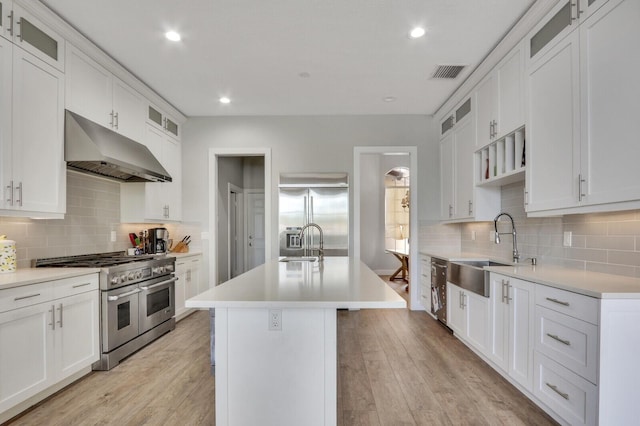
(76, 285)
(569, 395)
(19, 297)
(576, 305)
(568, 341)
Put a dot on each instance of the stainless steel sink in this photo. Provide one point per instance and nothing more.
(299, 259)
(470, 275)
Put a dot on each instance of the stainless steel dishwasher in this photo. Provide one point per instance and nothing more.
(439, 289)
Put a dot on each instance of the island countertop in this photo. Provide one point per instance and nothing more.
(337, 282)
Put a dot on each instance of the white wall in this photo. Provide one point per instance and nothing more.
(306, 143)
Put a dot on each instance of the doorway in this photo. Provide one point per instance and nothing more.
(239, 211)
(368, 164)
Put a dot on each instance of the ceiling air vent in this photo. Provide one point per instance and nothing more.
(447, 71)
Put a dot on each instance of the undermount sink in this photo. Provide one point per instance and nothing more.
(299, 259)
(470, 275)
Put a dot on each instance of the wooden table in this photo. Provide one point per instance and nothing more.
(403, 270)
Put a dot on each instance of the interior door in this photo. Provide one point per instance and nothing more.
(255, 230)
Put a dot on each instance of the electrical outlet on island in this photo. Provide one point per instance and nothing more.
(275, 319)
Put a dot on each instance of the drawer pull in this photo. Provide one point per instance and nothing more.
(555, 389)
(26, 297)
(81, 285)
(559, 302)
(555, 337)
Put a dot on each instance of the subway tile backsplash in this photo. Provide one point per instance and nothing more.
(93, 211)
(601, 242)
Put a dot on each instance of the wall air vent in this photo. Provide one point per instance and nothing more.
(447, 71)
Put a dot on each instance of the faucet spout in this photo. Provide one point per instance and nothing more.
(513, 233)
(321, 244)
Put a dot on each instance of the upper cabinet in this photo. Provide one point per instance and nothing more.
(28, 32)
(500, 99)
(460, 199)
(581, 111)
(161, 120)
(93, 92)
(33, 176)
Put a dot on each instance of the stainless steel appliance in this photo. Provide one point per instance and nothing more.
(158, 240)
(320, 198)
(137, 300)
(439, 289)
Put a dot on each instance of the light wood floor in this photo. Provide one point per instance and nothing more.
(396, 367)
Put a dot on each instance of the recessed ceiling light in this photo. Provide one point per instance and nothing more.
(304, 74)
(389, 99)
(225, 100)
(172, 35)
(417, 32)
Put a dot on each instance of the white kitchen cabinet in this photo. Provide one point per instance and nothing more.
(582, 124)
(189, 282)
(95, 93)
(30, 34)
(511, 332)
(609, 92)
(500, 99)
(48, 332)
(26, 350)
(163, 121)
(468, 316)
(553, 126)
(157, 201)
(34, 172)
(461, 200)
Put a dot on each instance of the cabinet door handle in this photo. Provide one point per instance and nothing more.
(60, 320)
(26, 297)
(470, 207)
(117, 120)
(574, 7)
(10, 29)
(555, 389)
(526, 197)
(559, 302)
(581, 183)
(10, 188)
(579, 12)
(563, 341)
(80, 285)
(19, 200)
(508, 291)
(112, 119)
(504, 295)
(450, 210)
(53, 317)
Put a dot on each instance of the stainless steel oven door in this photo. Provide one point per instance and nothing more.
(119, 316)
(157, 301)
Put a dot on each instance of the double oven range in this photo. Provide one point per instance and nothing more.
(137, 300)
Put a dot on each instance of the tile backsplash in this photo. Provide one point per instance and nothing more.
(93, 211)
(600, 242)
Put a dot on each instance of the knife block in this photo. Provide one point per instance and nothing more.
(180, 248)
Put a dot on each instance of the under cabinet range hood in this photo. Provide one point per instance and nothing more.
(94, 149)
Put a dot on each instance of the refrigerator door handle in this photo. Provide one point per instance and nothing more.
(311, 218)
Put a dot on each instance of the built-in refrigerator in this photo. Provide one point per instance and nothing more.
(320, 198)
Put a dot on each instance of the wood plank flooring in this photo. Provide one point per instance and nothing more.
(396, 367)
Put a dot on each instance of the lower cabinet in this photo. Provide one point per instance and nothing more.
(468, 316)
(511, 327)
(49, 340)
(189, 282)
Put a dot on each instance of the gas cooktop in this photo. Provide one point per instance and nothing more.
(96, 260)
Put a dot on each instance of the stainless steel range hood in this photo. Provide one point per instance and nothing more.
(91, 148)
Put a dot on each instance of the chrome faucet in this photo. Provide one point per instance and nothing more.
(321, 247)
(516, 256)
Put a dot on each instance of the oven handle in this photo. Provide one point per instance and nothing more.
(129, 293)
(149, 287)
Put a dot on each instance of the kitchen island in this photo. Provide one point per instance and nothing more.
(275, 338)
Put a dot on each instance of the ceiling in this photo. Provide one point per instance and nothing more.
(295, 57)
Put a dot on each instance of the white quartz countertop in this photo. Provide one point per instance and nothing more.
(594, 284)
(27, 276)
(338, 282)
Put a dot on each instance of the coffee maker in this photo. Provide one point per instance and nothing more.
(158, 240)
